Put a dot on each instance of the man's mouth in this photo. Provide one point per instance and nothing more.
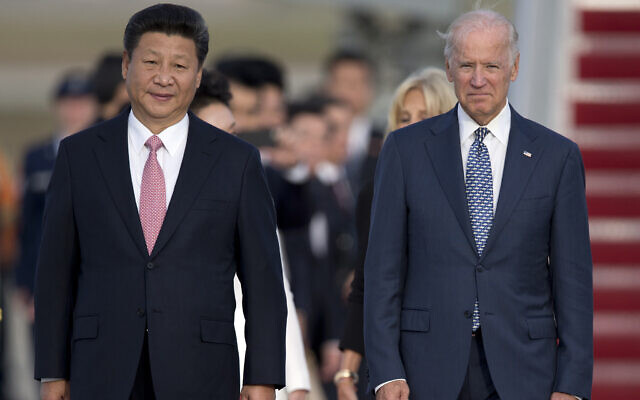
(161, 96)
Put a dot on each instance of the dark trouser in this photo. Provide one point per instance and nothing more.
(477, 384)
(142, 386)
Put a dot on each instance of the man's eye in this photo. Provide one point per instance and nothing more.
(180, 66)
(150, 62)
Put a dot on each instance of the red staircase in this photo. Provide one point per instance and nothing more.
(606, 105)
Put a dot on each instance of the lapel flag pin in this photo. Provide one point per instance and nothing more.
(526, 153)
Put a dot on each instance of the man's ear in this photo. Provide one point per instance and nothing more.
(515, 68)
(199, 77)
(126, 60)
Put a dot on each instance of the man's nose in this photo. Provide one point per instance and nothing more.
(477, 78)
(163, 77)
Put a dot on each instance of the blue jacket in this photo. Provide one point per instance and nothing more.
(533, 280)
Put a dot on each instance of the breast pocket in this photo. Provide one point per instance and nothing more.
(537, 203)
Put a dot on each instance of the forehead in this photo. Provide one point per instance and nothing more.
(161, 43)
(308, 121)
(483, 44)
(350, 69)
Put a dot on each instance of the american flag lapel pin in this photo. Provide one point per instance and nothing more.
(526, 153)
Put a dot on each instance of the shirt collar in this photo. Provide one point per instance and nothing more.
(499, 126)
(171, 137)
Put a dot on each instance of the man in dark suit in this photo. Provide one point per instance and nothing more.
(478, 272)
(149, 216)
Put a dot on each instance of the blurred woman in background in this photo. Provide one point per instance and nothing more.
(422, 95)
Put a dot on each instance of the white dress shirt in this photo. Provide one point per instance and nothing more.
(496, 142)
(359, 137)
(174, 140)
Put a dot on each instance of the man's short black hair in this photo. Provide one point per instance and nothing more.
(107, 76)
(170, 19)
(312, 105)
(349, 55)
(253, 71)
(214, 88)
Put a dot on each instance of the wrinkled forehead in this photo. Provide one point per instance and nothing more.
(490, 42)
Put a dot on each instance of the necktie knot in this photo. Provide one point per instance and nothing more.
(481, 133)
(154, 143)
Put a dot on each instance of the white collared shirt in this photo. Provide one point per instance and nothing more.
(359, 137)
(174, 139)
(496, 142)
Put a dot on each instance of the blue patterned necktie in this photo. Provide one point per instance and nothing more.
(479, 184)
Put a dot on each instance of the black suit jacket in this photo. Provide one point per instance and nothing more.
(97, 288)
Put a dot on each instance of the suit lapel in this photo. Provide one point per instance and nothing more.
(443, 147)
(515, 177)
(199, 157)
(112, 153)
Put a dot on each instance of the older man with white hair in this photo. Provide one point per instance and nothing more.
(478, 273)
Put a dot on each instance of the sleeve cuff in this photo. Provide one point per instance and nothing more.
(382, 384)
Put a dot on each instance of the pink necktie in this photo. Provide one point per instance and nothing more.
(153, 198)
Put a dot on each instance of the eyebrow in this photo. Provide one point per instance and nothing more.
(179, 55)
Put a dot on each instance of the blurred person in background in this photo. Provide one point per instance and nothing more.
(422, 95)
(8, 205)
(244, 83)
(272, 111)
(211, 104)
(74, 108)
(211, 101)
(350, 77)
(109, 86)
(328, 240)
(259, 104)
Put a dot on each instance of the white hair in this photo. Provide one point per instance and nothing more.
(481, 19)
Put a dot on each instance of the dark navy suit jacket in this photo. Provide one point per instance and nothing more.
(533, 281)
(97, 288)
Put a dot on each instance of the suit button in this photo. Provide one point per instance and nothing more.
(480, 268)
(468, 314)
(140, 312)
(150, 265)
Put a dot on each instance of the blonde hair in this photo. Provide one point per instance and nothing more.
(439, 96)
